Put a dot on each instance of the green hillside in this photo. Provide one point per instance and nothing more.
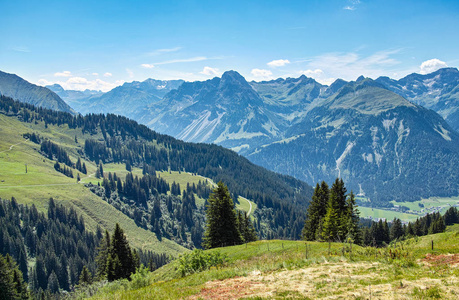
(150, 181)
(42, 182)
(296, 270)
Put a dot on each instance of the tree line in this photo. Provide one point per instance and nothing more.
(280, 199)
(383, 232)
(59, 245)
(332, 215)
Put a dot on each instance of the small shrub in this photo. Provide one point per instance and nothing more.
(198, 261)
(140, 279)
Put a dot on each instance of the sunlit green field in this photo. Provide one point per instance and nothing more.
(298, 270)
(42, 182)
(376, 213)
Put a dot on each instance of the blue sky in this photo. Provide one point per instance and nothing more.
(101, 44)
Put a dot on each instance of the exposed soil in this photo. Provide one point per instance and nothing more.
(330, 281)
(451, 260)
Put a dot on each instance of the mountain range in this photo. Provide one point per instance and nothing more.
(130, 99)
(379, 135)
(438, 91)
(17, 88)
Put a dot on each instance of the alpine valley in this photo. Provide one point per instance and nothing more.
(70, 177)
(384, 137)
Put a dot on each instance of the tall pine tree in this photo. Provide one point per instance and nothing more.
(316, 212)
(221, 228)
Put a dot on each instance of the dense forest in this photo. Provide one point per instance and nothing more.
(281, 200)
(382, 232)
(58, 244)
(333, 216)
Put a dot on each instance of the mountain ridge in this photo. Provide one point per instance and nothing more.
(16, 87)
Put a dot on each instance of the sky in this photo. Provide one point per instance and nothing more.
(100, 44)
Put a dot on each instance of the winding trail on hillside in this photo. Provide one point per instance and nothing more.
(11, 147)
(250, 203)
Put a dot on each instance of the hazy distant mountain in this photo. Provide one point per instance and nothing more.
(381, 144)
(365, 131)
(72, 97)
(19, 89)
(130, 99)
(438, 91)
(226, 111)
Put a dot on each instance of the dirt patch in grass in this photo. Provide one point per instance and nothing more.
(362, 280)
(451, 260)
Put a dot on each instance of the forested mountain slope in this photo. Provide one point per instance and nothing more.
(114, 140)
(15, 87)
(378, 142)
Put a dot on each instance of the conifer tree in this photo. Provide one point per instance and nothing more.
(338, 193)
(353, 227)
(451, 216)
(330, 222)
(12, 285)
(85, 277)
(336, 219)
(246, 228)
(396, 231)
(221, 228)
(102, 256)
(53, 283)
(316, 212)
(121, 251)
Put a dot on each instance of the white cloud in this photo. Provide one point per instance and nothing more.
(210, 71)
(278, 63)
(161, 51)
(147, 66)
(130, 73)
(108, 74)
(95, 74)
(352, 5)
(351, 65)
(81, 84)
(319, 76)
(63, 74)
(173, 61)
(432, 65)
(312, 73)
(261, 74)
(183, 60)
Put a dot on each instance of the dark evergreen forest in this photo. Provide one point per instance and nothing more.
(281, 199)
(58, 242)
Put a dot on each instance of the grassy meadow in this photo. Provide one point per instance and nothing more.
(297, 270)
(42, 182)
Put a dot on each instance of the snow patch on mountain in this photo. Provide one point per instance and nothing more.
(201, 128)
(389, 124)
(431, 81)
(443, 132)
(240, 147)
(284, 141)
(374, 136)
(241, 134)
(402, 133)
(271, 128)
(343, 156)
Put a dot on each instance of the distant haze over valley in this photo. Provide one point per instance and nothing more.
(384, 137)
